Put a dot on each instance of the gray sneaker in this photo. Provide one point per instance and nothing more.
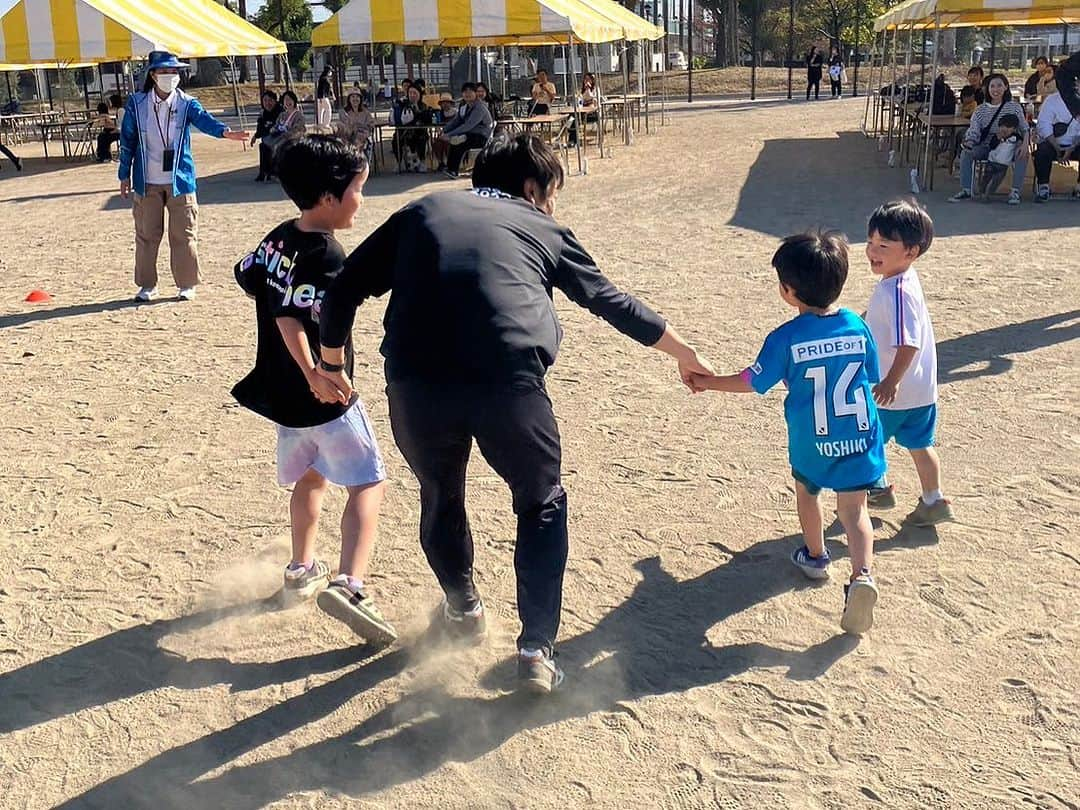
(881, 499)
(358, 611)
(962, 194)
(860, 596)
(538, 673)
(301, 583)
(924, 516)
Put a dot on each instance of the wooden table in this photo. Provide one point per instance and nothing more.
(939, 123)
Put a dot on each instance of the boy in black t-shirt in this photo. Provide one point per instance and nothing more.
(323, 435)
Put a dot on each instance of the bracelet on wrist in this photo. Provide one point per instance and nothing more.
(332, 368)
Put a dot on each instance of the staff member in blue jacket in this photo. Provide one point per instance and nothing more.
(156, 163)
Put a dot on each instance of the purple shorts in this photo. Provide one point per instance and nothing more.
(343, 451)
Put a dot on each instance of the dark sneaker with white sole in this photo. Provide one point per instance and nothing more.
(461, 626)
(301, 583)
(812, 567)
(860, 596)
(358, 611)
(538, 673)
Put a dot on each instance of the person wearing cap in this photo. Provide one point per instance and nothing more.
(156, 164)
(448, 111)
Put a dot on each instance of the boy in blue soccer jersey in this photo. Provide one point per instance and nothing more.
(827, 359)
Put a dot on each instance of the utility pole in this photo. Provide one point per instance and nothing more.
(690, 58)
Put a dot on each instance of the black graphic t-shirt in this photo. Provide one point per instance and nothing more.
(287, 275)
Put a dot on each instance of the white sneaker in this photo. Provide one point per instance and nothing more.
(962, 194)
(1014, 197)
(186, 293)
(146, 294)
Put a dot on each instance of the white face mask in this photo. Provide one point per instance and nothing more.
(167, 82)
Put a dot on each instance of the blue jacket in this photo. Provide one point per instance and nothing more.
(139, 123)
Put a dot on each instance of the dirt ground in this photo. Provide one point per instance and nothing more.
(142, 662)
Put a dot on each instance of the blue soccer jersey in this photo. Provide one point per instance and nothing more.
(828, 363)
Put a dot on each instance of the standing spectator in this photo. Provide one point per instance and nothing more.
(470, 129)
(976, 143)
(814, 62)
(156, 163)
(836, 72)
(268, 116)
(543, 94)
(1058, 129)
(471, 331)
(324, 98)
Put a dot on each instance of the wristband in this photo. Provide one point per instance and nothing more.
(332, 368)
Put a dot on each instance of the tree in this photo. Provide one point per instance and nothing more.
(291, 22)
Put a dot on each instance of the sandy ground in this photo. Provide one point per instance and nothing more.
(141, 531)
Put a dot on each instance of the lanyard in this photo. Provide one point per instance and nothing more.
(168, 124)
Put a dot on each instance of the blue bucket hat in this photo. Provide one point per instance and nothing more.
(164, 59)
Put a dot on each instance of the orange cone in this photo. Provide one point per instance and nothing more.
(38, 297)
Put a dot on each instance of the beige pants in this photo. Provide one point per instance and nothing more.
(183, 211)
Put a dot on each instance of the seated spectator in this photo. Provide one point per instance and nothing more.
(1004, 146)
(357, 123)
(972, 94)
(1058, 132)
(1040, 84)
(976, 143)
(290, 123)
(543, 94)
(471, 129)
(588, 105)
(268, 116)
(411, 118)
(493, 101)
(109, 134)
(448, 111)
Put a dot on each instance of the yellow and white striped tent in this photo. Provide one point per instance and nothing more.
(634, 27)
(466, 22)
(72, 31)
(985, 13)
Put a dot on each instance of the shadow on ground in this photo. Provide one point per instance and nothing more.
(987, 352)
(653, 643)
(836, 182)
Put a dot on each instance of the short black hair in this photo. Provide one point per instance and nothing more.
(270, 94)
(1009, 120)
(312, 166)
(1042, 59)
(292, 95)
(903, 221)
(976, 69)
(814, 266)
(468, 86)
(103, 108)
(506, 163)
(115, 100)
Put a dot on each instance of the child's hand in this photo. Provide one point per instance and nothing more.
(885, 392)
(693, 366)
(326, 390)
(698, 382)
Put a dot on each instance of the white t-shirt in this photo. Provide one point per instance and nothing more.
(165, 110)
(898, 316)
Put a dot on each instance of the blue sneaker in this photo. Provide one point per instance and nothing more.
(860, 596)
(812, 567)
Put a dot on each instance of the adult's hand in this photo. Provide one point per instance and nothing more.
(326, 390)
(236, 135)
(340, 381)
(692, 367)
(125, 188)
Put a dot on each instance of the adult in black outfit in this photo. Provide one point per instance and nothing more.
(470, 331)
(268, 116)
(814, 63)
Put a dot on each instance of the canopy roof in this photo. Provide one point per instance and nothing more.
(43, 65)
(984, 13)
(467, 22)
(63, 31)
(634, 27)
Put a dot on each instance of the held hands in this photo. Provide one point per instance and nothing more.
(693, 370)
(327, 388)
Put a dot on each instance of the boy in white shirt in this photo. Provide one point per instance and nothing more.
(900, 232)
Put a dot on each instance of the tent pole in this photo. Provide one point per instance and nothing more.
(869, 83)
(643, 88)
(628, 136)
(790, 47)
(907, 88)
(892, 90)
(930, 101)
(583, 167)
(599, 102)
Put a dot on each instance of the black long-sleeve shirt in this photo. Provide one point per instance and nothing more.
(470, 276)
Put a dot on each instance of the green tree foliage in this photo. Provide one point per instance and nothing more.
(291, 22)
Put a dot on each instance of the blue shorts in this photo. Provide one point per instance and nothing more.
(343, 451)
(912, 428)
(815, 490)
